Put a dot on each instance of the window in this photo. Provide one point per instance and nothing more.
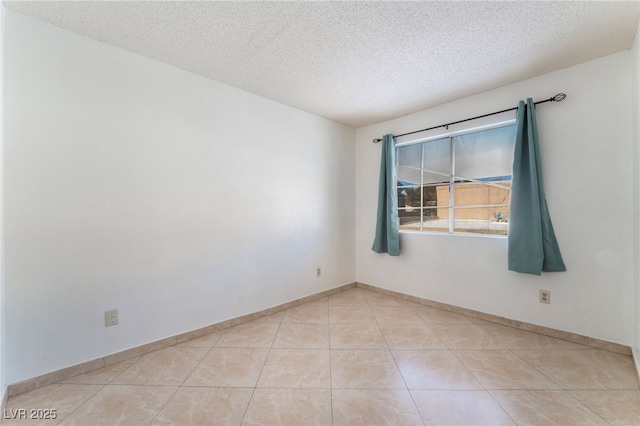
(460, 182)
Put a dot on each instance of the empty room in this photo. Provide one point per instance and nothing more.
(320, 213)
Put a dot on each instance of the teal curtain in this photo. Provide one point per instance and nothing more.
(387, 236)
(533, 247)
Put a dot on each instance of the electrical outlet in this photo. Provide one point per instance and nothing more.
(318, 271)
(545, 296)
(110, 318)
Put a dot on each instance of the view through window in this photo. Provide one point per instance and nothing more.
(458, 183)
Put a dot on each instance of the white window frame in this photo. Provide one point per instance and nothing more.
(451, 135)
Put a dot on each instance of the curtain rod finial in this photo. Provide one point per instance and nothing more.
(377, 140)
(559, 97)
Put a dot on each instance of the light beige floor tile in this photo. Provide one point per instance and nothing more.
(307, 313)
(584, 369)
(63, 398)
(206, 341)
(374, 407)
(521, 339)
(296, 368)
(353, 296)
(376, 299)
(459, 407)
(302, 336)
(395, 315)
(466, 336)
(205, 406)
(350, 314)
(433, 369)
(364, 369)
(249, 335)
(121, 405)
(545, 407)
(618, 407)
(229, 367)
(102, 376)
(412, 336)
(166, 367)
(439, 316)
(356, 336)
(502, 369)
(289, 407)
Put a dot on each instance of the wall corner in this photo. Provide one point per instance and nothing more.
(635, 50)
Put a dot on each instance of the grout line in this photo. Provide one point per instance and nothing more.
(123, 371)
(197, 365)
(584, 405)
(83, 402)
(330, 365)
(513, 351)
(395, 361)
(416, 405)
(165, 404)
(455, 355)
(524, 389)
(253, 392)
(488, 391)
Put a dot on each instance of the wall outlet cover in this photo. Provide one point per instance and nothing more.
(545, 296)
(111, 318)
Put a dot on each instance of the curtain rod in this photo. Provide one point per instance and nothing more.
(557, 98)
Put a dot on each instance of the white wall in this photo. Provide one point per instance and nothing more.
(180, 201)
(586, 145)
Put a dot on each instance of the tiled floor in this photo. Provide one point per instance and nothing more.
(354, 358)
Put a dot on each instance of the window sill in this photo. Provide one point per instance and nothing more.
(455, 234)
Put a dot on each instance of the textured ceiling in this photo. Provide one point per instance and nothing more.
(355, 62)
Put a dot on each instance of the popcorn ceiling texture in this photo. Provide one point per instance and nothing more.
(357, 63)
